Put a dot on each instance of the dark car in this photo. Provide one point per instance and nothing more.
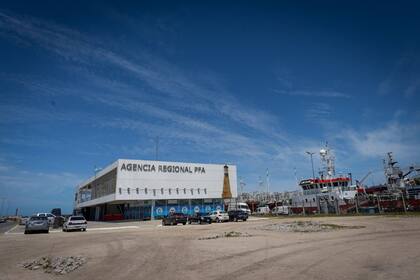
(199, 218)
(174, 219)
(236, 215)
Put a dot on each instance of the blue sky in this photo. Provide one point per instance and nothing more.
(253, 84)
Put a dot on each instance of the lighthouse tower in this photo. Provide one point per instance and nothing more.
(226, 194)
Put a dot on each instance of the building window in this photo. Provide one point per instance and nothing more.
(128, 190)
(177, 191)
(145, 190)
(170, 191)
(192, 191)
(205, 190)
(198, 190)
(185, 191)
(137, 190)
(119, 190)
(154, 192)
(161, 190)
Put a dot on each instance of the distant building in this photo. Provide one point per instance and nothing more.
(141, 189)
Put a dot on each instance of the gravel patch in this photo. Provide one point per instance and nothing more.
(56, 265)
(305, 226)
(229, 234)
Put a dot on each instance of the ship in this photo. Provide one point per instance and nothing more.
(328, 193)
(401, 190)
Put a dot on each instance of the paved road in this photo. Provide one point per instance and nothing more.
(387, 248)
(6, 226)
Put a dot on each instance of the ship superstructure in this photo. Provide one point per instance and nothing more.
(327, 193)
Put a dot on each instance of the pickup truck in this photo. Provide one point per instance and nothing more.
(236, 215)
(199, 218)
(174, 219)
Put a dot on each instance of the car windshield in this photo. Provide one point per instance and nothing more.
(77, 218)
(38, 218)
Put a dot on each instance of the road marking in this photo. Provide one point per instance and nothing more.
(9, 231)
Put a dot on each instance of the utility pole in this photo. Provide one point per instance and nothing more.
(356, 200)
(2, 206)
(312, 163)
(379, 204)
(403, 201)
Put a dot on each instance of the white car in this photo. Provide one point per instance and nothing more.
(280, 210)
(75, 223)
(50, 217)
(219, 216)
(263, 210)
(23, 220)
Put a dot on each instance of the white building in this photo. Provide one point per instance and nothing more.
(141, 189)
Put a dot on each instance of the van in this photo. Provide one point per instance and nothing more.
(239, 206)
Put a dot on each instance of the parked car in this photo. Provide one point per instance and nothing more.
(219, 216)
(236, 215)
(174, 219)
(263, 210)
(75, 223)
(48, 215)
(199, 218)
(3, 220)
(37, 223)
(23, 220)
(281, 210)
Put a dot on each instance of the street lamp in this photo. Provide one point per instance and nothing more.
(312, 162)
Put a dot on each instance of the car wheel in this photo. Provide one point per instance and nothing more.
(244, 220)
(184, 223)
(47, 231)
(209, 222)
(218, 220)
(26, 231)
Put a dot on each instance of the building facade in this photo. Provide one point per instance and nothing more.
(141, 189)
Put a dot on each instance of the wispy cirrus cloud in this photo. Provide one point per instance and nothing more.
(403, 78)
(402, 139)
(313, 93)
(158, 74)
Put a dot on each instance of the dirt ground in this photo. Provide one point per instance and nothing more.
(386, 248)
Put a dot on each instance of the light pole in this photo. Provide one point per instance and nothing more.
(312, 162)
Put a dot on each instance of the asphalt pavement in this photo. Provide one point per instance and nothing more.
(6, 226)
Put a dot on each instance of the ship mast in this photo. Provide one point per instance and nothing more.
(327, 160)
